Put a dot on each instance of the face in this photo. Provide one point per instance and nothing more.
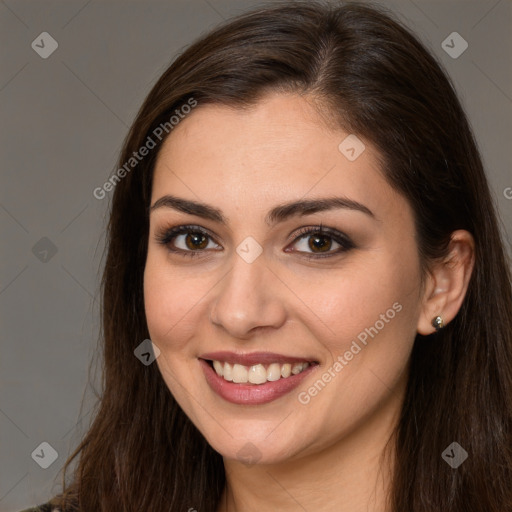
(311, 331)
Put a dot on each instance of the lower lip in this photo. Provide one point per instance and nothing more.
(252, 394)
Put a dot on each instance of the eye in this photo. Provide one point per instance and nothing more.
(186, 240)
(319, 241)
(314, 241)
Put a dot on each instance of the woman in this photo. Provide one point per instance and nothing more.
(302, 144)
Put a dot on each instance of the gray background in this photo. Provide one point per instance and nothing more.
(63, 122)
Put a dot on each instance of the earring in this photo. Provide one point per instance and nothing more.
(437, 323)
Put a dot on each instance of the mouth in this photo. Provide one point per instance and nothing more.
(255, 378)
(257, 373)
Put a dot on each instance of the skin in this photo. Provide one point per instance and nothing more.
(326, 454)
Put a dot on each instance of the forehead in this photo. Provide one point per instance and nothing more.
(277, 125)
(279, 149)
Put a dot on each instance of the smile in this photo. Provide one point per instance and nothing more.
(257, 373)
(255, 378)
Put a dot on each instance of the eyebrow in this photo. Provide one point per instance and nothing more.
(278, 214)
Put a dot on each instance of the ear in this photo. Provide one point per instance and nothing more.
(447, 282)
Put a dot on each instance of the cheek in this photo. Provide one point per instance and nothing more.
(377, 297)
(171, 301)
(371, 313)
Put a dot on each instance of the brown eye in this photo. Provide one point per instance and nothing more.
(186, 240)
(318, 242)
(313, 242)
(321, 243)
(196, 241)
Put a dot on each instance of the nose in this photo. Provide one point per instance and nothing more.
(248, 299)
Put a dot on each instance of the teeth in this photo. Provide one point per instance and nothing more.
(219, 368)
(296, 368)
(258, 373)
(239, 373)
(227, 373)
(286, 370)
(274, 372)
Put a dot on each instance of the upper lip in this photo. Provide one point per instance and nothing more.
(252, 358)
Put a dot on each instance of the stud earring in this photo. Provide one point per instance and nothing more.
(437, 323)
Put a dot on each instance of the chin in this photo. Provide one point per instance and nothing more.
(253, 444)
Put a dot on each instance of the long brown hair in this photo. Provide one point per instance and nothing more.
(376, 79)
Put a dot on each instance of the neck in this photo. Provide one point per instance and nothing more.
(353, 474)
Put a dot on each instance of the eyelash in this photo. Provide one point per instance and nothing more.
(166, 236)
